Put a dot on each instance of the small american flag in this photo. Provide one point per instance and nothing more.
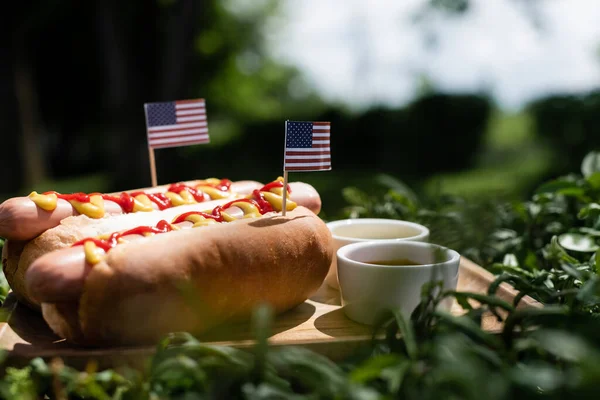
(176, 123)
(307, 146)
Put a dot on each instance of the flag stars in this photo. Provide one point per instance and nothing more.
(299, 134)
(159, 114)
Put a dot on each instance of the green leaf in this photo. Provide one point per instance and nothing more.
(555, 252)
(397, 186)
(373, 367)
(594, 180)
(591, 211)
(310, 371)
(355, 196)
(556, 186)
(538, 377)
(484, 299)
(565, 345)
(578, 242)
(589, 232)
(262, 320)
(590, 164)
(19, 384)
(590, 291)
(408, 334)
(468, 327)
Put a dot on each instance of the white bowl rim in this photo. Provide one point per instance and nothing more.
(424, 231)
(341, 253)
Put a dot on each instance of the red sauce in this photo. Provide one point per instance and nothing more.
(160, 199)
(224, 185)
(163, 226)
(263, 205)
(198, 195)
(181, 218)
(106, 244)
(80, 197)
(274, 184)
(126, 200)
(259, 202)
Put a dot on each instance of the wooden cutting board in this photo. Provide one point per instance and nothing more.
(318, 324)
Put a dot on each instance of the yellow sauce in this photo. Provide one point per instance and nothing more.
(93, 209)
(215, 194)
(44, 201)
(141, 203)
(93, 254)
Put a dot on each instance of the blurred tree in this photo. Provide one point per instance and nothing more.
(569, 124)
(93, 64)
(78, 74)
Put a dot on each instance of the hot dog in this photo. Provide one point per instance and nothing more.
(24, 218)
(18, 256)
(137, 291)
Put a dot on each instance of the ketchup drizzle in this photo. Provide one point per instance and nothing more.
(127, 200)
(163, 226)
(106, 244)
(274, 184)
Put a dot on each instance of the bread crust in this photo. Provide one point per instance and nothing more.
(195, 279)
(11, 254)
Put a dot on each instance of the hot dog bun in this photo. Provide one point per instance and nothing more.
(20, 255)
(192, 280)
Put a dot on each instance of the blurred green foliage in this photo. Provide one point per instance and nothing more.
(568, 124)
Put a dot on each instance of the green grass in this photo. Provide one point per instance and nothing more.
(509, 131)
(510, 179)
(510, 162)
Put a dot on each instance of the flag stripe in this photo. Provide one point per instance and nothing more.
(176, 126)
(309, 161)
(185, 132)
(307, 157)
(307, 153)
(193, 118)
(196, 104)
(310, 164)
(177, 144)
(183, 139)
(188, 101)
(190, 112)
(315, 168)
(306, 150)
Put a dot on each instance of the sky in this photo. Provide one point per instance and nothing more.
(361, 53)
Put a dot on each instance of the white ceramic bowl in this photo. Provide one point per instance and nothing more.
(358, 230)
(367, 290)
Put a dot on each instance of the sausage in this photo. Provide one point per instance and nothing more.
(22, 219)
(305, 195)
